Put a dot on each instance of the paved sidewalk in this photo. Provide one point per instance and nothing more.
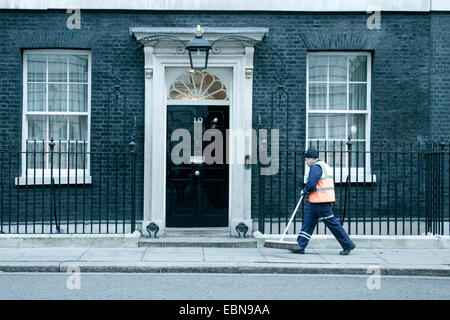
(421, 262)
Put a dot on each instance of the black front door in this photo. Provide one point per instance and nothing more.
(197, 192)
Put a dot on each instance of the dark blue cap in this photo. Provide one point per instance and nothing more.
(312, 153)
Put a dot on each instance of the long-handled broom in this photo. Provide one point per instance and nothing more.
(280, 244)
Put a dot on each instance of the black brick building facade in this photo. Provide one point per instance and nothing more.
(410, 78)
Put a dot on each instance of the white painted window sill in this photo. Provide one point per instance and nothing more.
(46, 180)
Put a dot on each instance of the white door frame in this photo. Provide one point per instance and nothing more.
(157, 59)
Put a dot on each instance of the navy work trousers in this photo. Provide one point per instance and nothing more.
(323, 212)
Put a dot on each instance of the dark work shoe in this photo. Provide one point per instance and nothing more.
(345, 252)
(295, 248)
(299, 250)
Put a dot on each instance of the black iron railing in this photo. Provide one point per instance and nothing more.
(63, 187)
(398, 190)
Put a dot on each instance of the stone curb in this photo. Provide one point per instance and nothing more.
(236, 268)
(29, 267)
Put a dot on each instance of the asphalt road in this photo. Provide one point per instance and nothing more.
(218, 286)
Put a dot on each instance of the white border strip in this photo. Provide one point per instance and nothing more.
(235, 5)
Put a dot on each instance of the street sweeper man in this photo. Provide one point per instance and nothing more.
(320, 192)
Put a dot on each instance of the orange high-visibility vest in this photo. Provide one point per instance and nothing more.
(325, 186)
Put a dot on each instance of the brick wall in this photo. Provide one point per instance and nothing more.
(409, 69)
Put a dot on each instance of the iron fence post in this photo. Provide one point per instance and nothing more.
(261, 216)
(429, 187)
(442, 186)
(132, 146)
(349, 144)
(52, 188)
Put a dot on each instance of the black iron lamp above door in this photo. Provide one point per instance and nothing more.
(198, 50)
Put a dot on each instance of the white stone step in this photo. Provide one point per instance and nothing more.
(197, 232)
(203, 241)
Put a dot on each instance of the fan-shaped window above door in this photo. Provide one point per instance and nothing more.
(198, 86)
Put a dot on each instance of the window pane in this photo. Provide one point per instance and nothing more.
(78, 98)
(358, 68)
(59, 157)
(318, 68)
(37, 127)
(78, 128)
(78, 159)
(36, 97)
(338, 68)
(338, 96)
(36, 67)
(334, 157)
(57, 97)
(358, 122)
(358, 153)
(327, 154)
(78, 68)
(35, 158)
(336, 126)
(358, 96)
(317, 96)
(57, 127)
(319, 145)
(316, 127)
(57, 68)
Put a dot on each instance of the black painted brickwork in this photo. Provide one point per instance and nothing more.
(409, 69)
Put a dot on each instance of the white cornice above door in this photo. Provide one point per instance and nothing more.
(169, 46)
(209, 33)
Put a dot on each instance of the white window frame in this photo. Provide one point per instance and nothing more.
(357, 174)
(43, 176)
